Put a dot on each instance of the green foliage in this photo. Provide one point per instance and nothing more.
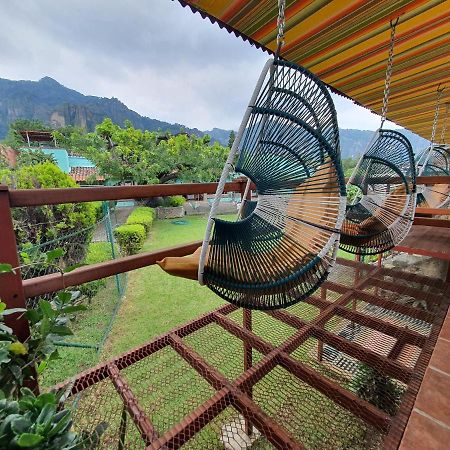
(33, 157)
(142, 215)
(378, 389)
(40, 423)
(97, 252)
(176, 200)
(353, 192)
(44, 223)
(129, 154)
(49, 322)
(130, 238)
(27, 421)
(231, 139)
(348, 164)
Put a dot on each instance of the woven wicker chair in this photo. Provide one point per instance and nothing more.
(383, 213)
(286, 244)
(434, 161)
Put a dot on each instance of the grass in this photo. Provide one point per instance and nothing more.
(155, 302)
(167, 387)
(89, 326)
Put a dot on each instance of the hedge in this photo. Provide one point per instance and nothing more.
(130, 237)
(143, 216)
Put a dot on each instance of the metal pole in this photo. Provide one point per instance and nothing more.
(110, 236)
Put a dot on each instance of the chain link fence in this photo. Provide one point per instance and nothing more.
(102, 297)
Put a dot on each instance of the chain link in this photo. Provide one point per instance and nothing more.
(436, 114)
(281, 22)
(444, 125)
(387, 81)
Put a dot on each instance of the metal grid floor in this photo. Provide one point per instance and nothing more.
(308, 376)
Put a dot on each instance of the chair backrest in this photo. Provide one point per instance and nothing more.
(384, 212)
(286, 244)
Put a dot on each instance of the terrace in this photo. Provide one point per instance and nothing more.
(296, 377)
(234, 378)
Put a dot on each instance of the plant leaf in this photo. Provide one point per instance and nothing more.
(54, 254)
(27, 440)
(46, 308)
(41, 367)
(7, 312)
(64, 296)
(6, 268)
(74, 308)
(20, 425)
(47, 412)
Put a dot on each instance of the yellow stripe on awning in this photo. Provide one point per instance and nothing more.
(345, 43)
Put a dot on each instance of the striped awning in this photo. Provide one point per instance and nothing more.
(345, 43)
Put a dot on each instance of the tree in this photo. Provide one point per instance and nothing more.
(36, 225)
(231, 139)
(33, 157)
(144, 157)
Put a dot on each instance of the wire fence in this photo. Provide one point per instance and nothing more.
(102, 297)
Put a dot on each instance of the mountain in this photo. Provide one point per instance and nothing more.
(56, 105)
(354, 142)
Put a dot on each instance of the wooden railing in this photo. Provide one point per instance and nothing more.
(14, 290)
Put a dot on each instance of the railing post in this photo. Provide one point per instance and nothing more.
(11, 289)
(248, 360)
(323, 296)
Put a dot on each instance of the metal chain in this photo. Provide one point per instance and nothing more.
(387, 81)
(281, 23)
(444, 125)
(436, 114)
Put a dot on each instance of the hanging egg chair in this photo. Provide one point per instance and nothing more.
(383, 212)
(435, 161)
(284, 245)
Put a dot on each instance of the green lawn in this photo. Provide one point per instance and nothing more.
(89, 326)
(167, 387)
(156, 302)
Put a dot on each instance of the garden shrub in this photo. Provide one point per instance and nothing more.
(142, 215)
(44, 223)
(97, 252)
(176, 200)
(130, 237)
(378, 389)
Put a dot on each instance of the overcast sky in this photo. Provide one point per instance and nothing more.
(155, 56)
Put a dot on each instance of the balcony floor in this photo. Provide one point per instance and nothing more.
(293, 378)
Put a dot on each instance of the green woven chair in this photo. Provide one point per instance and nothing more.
(434, 161)
(286, 244)
(383, 212)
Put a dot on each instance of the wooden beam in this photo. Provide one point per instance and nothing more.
(57, 281)
(142, 422)
(39, 197)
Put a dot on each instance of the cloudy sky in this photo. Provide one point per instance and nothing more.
(155, 56)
